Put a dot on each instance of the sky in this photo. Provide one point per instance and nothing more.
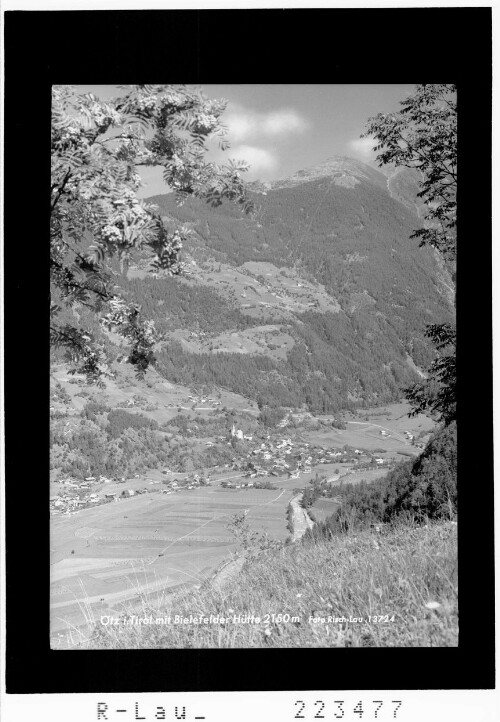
(280, 129)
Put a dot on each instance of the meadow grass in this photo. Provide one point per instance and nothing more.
(408, 573)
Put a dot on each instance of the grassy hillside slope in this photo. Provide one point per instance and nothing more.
(409, 574)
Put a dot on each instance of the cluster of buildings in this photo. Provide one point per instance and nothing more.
(275, 457)
(79, 494)
(298, 417)
(193, 481)
(272, 457)
(196, 335)
(413, 441)
(193, 399)
(67, 503)
(242, 485)
(408, 435)
(76, 495)
(82, 494)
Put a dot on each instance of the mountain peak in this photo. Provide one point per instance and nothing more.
(341, 170)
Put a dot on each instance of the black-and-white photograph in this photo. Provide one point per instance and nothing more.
(253, 372)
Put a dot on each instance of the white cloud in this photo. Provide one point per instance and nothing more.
(244, 124)
(239, 126)
(259, 159)
(283, 121)
(363, 147)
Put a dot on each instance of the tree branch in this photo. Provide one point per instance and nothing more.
(80, 286)
(61, 190)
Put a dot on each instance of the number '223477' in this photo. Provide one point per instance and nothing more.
(373, 709)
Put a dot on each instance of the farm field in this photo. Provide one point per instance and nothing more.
(357, 475)
(394, 417)
(364, 431)
(258, 284)
(256, 287)
(271, 340)
(102, 557)
(159, 399)
(323, 508)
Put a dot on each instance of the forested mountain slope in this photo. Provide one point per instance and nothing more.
(342, 229)
(320, 298)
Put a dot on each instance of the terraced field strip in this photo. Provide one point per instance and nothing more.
(210, 521)
(115, 596)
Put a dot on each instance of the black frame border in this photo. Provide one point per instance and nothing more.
(237, 46)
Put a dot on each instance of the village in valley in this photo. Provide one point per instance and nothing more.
(260, 459)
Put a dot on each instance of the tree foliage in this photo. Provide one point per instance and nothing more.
(437, 394)
(96, 215)
(423, 135)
